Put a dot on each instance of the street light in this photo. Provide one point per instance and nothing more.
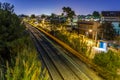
(90, 30)
(95, 37)
(90, 33)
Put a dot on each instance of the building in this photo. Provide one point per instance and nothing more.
(113, 17)
(88, 28)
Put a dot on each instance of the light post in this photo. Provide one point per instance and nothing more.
(91, 32)
(95, 35)
(95, 38)
(96, 32)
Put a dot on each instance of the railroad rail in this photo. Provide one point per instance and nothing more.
(61, 64)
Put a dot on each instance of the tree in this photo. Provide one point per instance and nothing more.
(9, 23)
(62, 14)
(108, 61)
(96, 14)
(7, 7)
(10, 27)
(43, 16)
(107, 31)
(32, 16)
(68, 12)
(54, 20)
(23, 15)
(0, 5)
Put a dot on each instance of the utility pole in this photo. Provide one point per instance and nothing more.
(96, 37)
(96, 33)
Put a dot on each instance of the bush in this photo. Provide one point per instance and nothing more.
(110, 62)
(22, 62)
(73, 40)
(25, 64)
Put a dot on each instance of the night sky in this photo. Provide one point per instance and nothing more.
(81, 7)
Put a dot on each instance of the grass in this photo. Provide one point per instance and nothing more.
(24, 63)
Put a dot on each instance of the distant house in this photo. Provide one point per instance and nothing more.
(113, 17)
(75, 20)
(88, 18)
(88, 28)
(81, 17)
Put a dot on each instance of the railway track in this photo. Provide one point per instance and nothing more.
(60, 64)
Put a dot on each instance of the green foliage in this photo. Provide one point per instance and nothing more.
(25, 64)
(10, 26)
(23, 16)
(109, 61)
(96, 14)
(68, 11)
(43, 16)
(10, 29)
(32, 16)
(7, 7)
(54, 20)
(75, 41)
(107, 31)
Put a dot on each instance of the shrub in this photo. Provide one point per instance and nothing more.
(110, 62)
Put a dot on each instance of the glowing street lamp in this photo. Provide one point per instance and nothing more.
(90, 30)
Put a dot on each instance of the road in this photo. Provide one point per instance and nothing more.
(61, 64)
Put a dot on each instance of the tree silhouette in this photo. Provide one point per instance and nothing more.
(43, 16)
(107, 31)
(96, 14)
(32, 16)
(10, 27)
(68, 12)
(7, 7)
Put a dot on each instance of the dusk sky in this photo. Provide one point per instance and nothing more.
(55, 6)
